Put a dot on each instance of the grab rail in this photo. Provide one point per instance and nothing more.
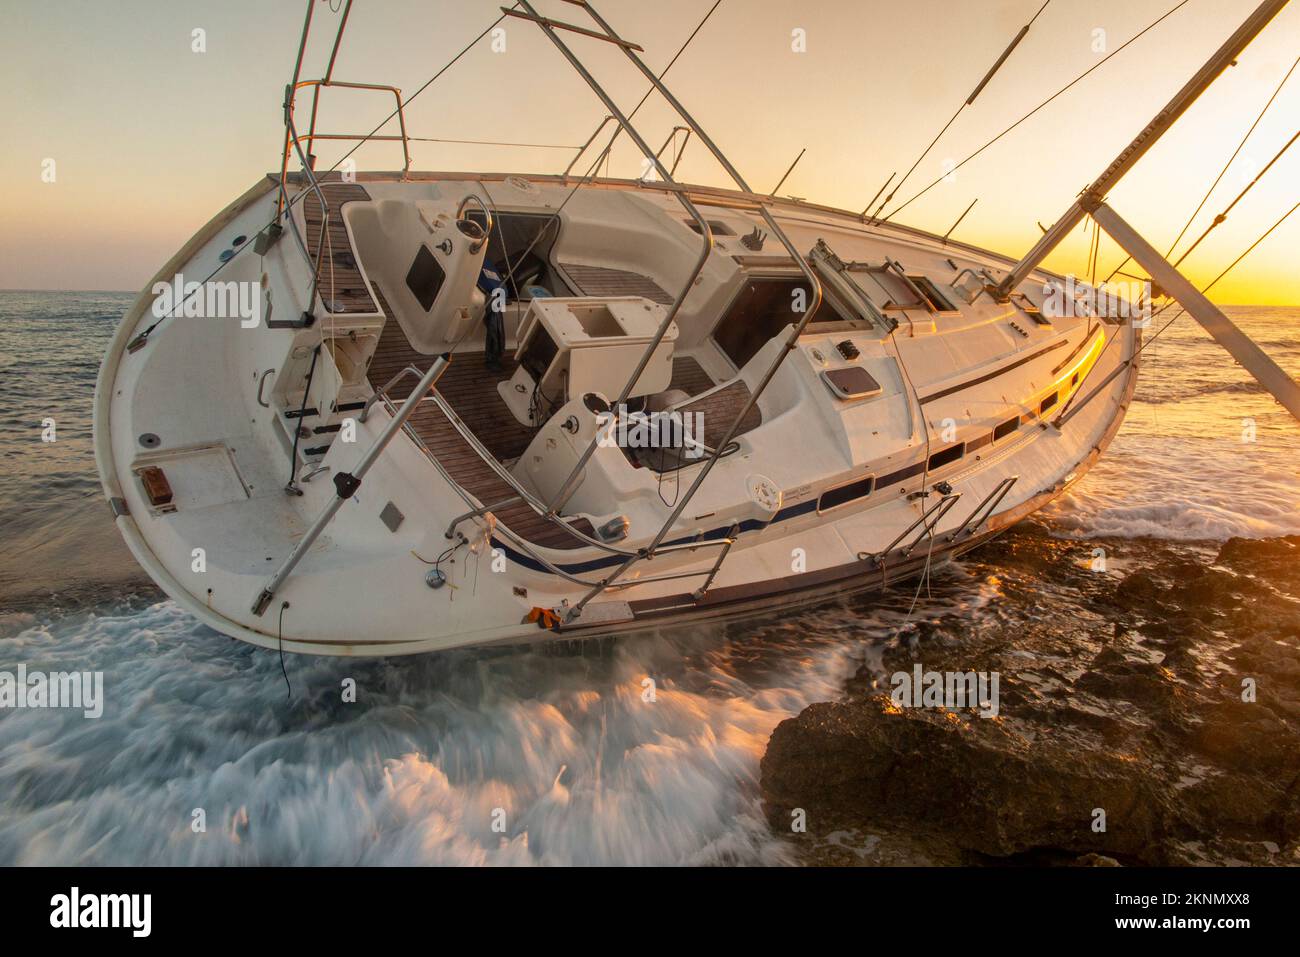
(930, 517)
(346, 485)
(992, 500)
(383, 391)
(609, 35)
(678, 153)
(312, 135)
(527, 548)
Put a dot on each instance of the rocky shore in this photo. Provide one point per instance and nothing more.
(1148, 713)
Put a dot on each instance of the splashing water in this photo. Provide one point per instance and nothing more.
(481, 756)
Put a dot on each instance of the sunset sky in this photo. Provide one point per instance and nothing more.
(149, 138)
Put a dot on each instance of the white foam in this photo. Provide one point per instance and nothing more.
(584, 770)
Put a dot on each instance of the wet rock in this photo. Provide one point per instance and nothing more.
(992, 789)
(1096, 860)
(1169, 698)
(1138, 590)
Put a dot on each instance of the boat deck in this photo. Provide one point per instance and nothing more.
(470, 388)
(342, 287)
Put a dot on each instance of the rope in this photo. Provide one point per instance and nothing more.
(288, 688)
(1095, 66)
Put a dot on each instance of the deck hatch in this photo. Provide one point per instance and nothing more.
(939, 303)
(764, 307)
(854, 382)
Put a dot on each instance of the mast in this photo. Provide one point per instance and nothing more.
(1094, 195)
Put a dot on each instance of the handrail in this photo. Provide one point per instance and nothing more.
(527, 547)
(678, 154)
(409, 370)
(346, 485)
(992, 500)
(938, 510)
(317, 85)
(294, 143)
(583, 148)
(775, 229)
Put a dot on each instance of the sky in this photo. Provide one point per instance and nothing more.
(146, 132)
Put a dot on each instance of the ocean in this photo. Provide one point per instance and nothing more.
(203, 756)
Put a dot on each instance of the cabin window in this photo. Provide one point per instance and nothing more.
(764, 307)
(425, 278)
(939, 303)
(1047, 403)
(842, 495)
(947, 456)
(1006, 428)
(718, 227)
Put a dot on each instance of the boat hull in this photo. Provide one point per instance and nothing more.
(362, 590)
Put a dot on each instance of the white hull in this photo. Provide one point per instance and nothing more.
(198, 385)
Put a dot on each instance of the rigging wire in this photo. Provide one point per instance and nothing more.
(1218, 220)
(640, 103)
(965, 103)
(144, 335)
(1222, 172)
(924, 580)
(1095, 66)
(1167, 306)
(1230, 267)
(603, 156)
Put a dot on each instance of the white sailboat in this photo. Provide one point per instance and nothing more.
(409, 411)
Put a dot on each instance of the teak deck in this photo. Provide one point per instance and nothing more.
(342, 287)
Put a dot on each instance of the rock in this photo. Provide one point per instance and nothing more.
(1096, 860)
(1125, 697)
(1138, 590)
(987, 787)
